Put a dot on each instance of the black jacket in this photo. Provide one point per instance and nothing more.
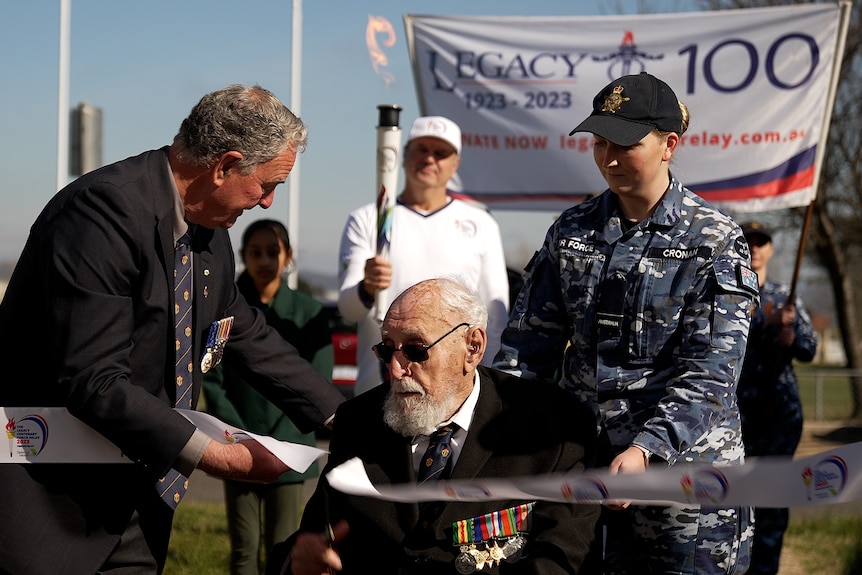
(519, 428)
(88, 318)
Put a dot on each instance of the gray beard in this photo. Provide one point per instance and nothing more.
(415, 416)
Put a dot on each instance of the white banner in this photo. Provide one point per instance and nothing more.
(830, 477)
(756, 82)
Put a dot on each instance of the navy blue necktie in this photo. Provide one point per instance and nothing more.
(183, 321)
(173, 486)
(436, 463)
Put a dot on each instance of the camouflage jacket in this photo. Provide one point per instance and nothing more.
(651, 323)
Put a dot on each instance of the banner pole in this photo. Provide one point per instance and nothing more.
(800, 250)
(844, 8)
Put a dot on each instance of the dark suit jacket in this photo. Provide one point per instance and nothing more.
(518, 428)
(88, 319)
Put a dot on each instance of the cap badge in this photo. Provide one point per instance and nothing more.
(614, 100)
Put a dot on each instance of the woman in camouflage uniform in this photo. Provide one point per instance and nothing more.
(769, 402)
(645, 292)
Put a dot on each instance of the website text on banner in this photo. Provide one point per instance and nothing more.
(756, 82)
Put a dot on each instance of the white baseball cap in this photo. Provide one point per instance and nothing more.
(436, 127)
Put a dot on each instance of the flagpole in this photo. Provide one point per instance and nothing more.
(295, 102)
(800, 250)
(844, 8)
(63, 96)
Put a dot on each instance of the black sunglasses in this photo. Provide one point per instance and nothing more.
(415, 352)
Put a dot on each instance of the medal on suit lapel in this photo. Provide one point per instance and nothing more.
(216, 340)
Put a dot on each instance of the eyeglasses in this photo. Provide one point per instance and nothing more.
(415, 352)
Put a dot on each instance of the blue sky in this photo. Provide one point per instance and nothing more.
(145, 64)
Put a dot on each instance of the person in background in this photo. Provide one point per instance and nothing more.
(271, 509)
(433, 235)
(645, 291)
(768, 394)
(433, 342)
(110, 341)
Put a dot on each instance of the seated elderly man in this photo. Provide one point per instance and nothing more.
(442, 407)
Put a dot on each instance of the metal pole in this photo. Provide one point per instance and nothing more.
(295, 103)
(63, 96)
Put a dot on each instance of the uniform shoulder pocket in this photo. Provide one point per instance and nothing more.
(736, 277)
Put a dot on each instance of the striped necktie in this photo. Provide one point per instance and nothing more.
(173, 486)
(436, 463)
(183, 322)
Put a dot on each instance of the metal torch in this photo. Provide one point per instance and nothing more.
(388, 159)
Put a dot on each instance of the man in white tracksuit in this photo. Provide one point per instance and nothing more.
(433, 235)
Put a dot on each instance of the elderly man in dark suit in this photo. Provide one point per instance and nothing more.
(433, 340)
(89, 318)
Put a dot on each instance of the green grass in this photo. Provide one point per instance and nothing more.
(199, 540)
(836, 397)
(828, 544)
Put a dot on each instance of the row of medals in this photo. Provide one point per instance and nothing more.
(473, 558)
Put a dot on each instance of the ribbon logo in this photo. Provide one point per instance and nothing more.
(826, 478)
(704, 486)
(28, 436)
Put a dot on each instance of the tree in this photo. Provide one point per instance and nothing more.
(834, 239)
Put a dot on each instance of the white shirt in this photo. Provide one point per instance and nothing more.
(458, 240)
(462, 419)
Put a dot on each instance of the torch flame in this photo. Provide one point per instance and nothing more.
(628, 38)
(10, 426)
(379, 25)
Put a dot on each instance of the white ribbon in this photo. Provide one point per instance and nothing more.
(53, 435)
(833, 476)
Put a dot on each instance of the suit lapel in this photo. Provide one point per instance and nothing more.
(205, 270)
(394, 466)
(473, 454)
(165, 234)
(395, 463)
(159, 170)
